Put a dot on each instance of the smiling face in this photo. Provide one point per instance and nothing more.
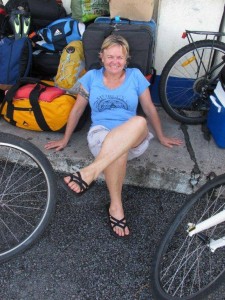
(114, 59)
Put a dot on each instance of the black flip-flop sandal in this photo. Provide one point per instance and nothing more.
(115, 222)
(84, 187)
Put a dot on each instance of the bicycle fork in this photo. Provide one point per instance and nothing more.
(210, 222)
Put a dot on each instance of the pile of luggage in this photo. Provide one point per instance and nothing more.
(43, 47)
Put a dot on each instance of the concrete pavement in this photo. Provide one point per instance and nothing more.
(181, 169)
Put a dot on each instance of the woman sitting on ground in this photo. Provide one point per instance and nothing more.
(117, 134)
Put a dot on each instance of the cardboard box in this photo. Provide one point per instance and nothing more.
(137, 10)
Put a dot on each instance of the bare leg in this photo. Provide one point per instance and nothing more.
(117, 142)
(114, 177)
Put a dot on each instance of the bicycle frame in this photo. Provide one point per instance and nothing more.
(190, 76)
(188, 34)
(216, 219)
(215, 36)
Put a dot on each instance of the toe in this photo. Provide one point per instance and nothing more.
(119, 231)
(74, 186)
(67, 179)
(126, 231)
(71, 184)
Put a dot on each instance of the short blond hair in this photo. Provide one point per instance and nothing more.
(113, 40)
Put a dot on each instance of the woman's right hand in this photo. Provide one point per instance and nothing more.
(57, 145)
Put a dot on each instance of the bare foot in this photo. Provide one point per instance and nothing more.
(79, 182)
(117, 217)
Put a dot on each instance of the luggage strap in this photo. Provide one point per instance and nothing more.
(33, 97)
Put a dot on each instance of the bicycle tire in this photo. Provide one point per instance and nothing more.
(27, 194)
(184, 267)
(183, 82)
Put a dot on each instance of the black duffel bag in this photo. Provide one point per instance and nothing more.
(43, 12)
(45, 64)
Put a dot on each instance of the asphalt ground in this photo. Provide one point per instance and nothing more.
(77, 257)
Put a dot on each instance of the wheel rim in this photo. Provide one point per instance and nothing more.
(186, 87)
(24, 198)
(188, 267)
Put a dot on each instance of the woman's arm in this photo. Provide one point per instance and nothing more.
(152, 115)
(74, 116)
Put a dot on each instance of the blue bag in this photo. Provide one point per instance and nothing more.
(60, 33)
(118, 20)
(15, 59)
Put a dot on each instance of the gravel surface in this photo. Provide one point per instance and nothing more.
(77, 258)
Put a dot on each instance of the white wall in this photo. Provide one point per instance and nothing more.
(174, 16)
(66, 4)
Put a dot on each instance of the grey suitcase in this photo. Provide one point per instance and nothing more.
(140, 36)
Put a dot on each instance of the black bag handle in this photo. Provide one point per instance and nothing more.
(114, 20)
(21, 82)
(11, 92)
(33, 97)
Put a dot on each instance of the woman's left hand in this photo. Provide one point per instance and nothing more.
(170, 142)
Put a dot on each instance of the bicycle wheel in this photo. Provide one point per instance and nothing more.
(184, 85)
(185, 267)
(27, 194)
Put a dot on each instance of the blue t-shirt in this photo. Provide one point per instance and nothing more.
(112, 107)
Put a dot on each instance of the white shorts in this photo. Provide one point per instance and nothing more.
(97, 134)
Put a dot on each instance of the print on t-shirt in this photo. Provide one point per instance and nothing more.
(110, 102)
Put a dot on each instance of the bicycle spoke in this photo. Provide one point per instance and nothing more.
(185, 266)
(26, 200)
(188, 78)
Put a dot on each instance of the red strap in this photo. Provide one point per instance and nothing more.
(2, 11)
